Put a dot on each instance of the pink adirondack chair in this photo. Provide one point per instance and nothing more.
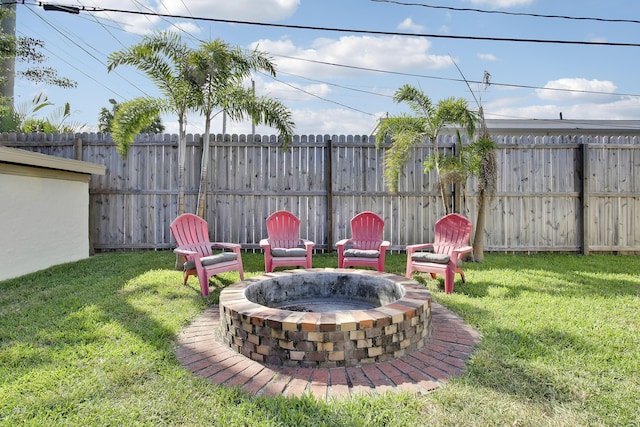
(284, 247)
(192, 236)
(365, 248)
(452, 234)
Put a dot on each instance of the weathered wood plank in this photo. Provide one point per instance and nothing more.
(537, 207)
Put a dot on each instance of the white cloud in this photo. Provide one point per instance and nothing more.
(487, 57)
(245, 10)
(409, 25)
(575, 88)
(598, 39)
(131, 23)
(251, 10)
(624, 109)
(389, 52)
(186, 27)
(333, 122)
(336, 121)
(292, 92)
(502, 4)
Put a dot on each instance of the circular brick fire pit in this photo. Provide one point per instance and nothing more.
(325, 317)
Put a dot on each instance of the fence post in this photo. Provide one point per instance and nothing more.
(77, 148)
(456, 187)
(77, 154)
(585, 198)
(329, 172)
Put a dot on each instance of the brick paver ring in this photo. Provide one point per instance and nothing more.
(202, 351)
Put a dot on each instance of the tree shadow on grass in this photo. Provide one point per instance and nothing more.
(94, 318)
(510, 362)
(107, 325)
(509, 276)
(95, 339)
(562, 299)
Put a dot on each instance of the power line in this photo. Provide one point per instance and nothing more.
(68, 63)
(318, 96)
(350, 30)
(400, 73)
(97, 9)
(368, 92)
(100, 61)
(500, 12)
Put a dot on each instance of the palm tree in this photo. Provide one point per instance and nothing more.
(406, 131)
(164, 58)
(217, 71)
(105, 120)
(487, 174)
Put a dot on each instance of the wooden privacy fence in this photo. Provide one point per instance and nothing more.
(570, 193)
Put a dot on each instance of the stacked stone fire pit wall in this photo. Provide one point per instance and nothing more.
(326, 339)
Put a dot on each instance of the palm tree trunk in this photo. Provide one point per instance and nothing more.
(8, 68)
(182, 154)
(204, 165)
(478, 237)
(443, 190)
(443, 193)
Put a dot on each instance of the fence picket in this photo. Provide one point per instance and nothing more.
(537, 207)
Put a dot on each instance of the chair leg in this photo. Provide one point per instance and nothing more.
(204, 285)
(449, 278)
(407, 274)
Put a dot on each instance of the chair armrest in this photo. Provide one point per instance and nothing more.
(264, 243)
(462, 250)
(307, 243)
(340, 245)
(184, 251)
(235, 247)
(225, 245)
(342, 242)
(414, 248)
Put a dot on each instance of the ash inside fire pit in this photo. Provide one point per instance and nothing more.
(324, 292)
(321, 305)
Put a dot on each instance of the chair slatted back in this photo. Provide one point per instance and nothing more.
(366, 231)
(283, 229)
(191, 231)
(451, 231)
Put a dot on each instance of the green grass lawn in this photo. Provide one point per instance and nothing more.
(93, 343)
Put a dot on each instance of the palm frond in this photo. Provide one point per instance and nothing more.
(131, 117)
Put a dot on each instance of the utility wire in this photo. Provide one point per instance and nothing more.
(104, 27)
(400, 73)
(97, 9)
(72, 65)
(499, 12)
(100, 61)
(368, 92)
(344, 30)
(318, 96)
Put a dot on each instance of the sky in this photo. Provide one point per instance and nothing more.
(339, 62)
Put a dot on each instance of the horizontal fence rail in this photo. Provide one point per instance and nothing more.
(569, 193)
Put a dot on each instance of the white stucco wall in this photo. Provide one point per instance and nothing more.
(44, 217)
